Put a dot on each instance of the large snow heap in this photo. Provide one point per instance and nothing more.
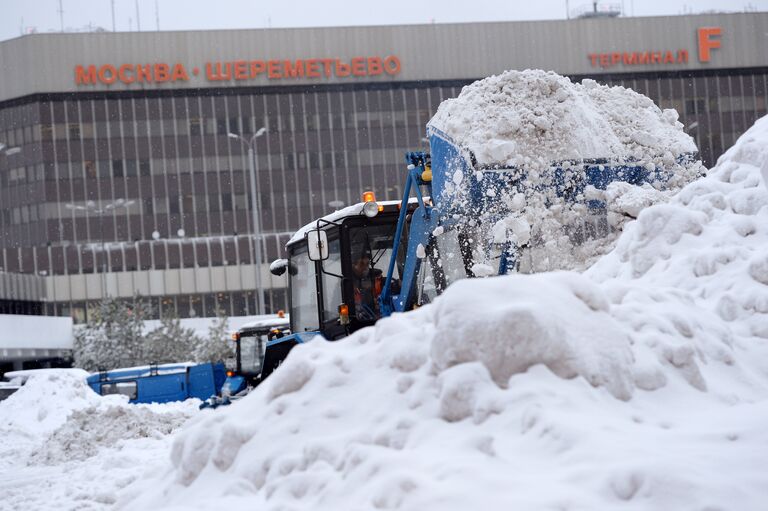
(642, 384)
(532, 118)
(546, 134)
(62, 446)
(55, 416)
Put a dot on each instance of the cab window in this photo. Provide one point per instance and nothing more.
(370, 252)
(331, 281)
(252, 352)
(303, 292)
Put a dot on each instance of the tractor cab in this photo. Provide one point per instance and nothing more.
(251, 343)
(336, 269)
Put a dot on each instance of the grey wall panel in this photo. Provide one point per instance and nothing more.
(93, 286)
(156, 282)
(46, 62)
(187, 278)
(14, 286)
(141, 283)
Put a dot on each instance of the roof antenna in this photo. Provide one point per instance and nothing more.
(157, 16)
(113, 16)
(61, 15)
(138, 18)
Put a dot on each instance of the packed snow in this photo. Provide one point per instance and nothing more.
(63, 446)
(532, 118)
(550, 138)
(639, 384)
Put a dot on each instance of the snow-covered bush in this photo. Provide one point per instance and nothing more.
(113, 336)
(116, 336)
(217, 346)
(170, 342)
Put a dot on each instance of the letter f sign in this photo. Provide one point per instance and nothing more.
(706, 42)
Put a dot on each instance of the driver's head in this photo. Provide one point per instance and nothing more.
(361, 265)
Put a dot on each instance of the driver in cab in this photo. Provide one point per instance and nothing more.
(367, 284)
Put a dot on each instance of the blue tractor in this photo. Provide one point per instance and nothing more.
(250, 345)
(352, 267)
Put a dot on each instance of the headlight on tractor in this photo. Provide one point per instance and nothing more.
(370, 209)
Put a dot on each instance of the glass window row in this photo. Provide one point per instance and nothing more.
(195, 126)
(184, 306)
(95, 256)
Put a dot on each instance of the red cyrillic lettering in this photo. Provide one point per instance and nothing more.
(273, 69)
(374, 66)
(143, 73)
(216, 72)
(682, 56)
(604, 60)
(328, 65)
(122, 73)
(342, 69)
(257, 66)
(313, 68)
(391, 65)
(656, 57)
(358, 66)
(107, 78)
(630, 59)
(85, 77)
(161, 72)
(645, 58)
(179, 73)
(615, 58)
(293, 70)
(241, 70)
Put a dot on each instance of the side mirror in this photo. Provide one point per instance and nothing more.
(317, 242)
(278, 266)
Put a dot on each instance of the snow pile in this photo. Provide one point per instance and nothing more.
(63, 446)
(708, 244)
(560, 320)
(42, 405)
(88, 430)
(640, 385)
(535, 136)
(61, 417)
(532, 118)
(625, 201)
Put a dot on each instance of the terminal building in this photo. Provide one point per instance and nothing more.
(120, 173)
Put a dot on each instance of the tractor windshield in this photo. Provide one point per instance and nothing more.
(370, 252)
(252, 346)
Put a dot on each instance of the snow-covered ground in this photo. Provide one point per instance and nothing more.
(639, 384)
(63, 447)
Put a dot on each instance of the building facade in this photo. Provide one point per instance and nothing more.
(22, 294)
(124, 178)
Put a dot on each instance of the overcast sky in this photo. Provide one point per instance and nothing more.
(43, 15)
